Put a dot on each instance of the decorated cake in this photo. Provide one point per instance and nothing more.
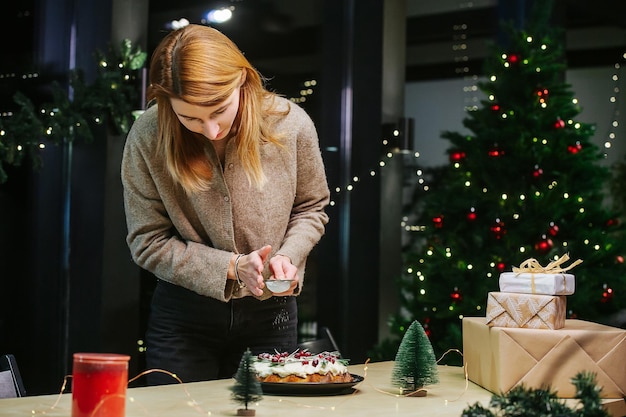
(301, 366)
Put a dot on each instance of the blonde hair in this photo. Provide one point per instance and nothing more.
(201, 66)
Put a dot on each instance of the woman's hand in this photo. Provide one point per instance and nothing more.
(250, 269)
(282, 268)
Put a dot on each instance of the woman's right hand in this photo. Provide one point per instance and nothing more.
(250, 269)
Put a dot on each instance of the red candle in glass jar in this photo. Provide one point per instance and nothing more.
(99, 382)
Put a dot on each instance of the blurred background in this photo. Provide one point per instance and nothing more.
(361, 68)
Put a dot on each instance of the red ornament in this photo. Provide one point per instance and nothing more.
(544, 245)
(495, 107)
(559, 124)
(513, 59)
(496, 152)
(498, 229)
(438, 221)
(456, 295)
(500, 266)
(538, 172)
(457, 156)
(574, 149)
(612, 222)
(619, 259)
(426, 327)
(553, 230)
(471, 216)
(607, 294)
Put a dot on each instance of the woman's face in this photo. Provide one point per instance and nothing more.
(213, 122)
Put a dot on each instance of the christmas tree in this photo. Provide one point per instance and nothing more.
(526, 182)
(415, 365)
(247, 388)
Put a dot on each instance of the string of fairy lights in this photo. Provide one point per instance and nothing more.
(611, 135)
(308, 88)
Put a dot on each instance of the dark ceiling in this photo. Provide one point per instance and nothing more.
(282, 39)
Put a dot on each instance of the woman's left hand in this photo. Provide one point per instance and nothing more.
(282, 268)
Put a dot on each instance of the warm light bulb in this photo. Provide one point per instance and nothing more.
(219, 15)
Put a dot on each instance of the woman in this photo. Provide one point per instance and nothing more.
(224, 188)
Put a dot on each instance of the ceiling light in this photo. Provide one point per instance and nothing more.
(219, 15)
(177, 24)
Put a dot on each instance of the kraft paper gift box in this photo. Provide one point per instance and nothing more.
(533, 311)
(537, 283)
(500, 358)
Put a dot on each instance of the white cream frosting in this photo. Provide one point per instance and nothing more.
(300, 364)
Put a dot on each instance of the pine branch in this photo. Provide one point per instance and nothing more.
(542, 402)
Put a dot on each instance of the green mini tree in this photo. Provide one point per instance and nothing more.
(247, 388)
(415, 365)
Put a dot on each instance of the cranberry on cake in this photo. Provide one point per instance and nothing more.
(302, 366)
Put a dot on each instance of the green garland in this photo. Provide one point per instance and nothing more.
(527, 402)
(110, 100)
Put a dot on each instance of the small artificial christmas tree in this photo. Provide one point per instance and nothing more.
(525, 182)
(521, 401)
(415, 365)
(247, 388)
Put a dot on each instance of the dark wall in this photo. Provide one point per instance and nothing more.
(62, 224)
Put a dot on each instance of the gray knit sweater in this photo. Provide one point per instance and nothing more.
(189, 240)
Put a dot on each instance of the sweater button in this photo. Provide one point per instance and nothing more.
(226, 198)
(231, 165)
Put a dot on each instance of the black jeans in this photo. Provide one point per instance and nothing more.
(200, 338)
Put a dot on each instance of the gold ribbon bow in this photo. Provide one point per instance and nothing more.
(532, 266)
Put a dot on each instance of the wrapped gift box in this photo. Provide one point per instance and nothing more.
(537, 283)
(532, 311)
(500, 358)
